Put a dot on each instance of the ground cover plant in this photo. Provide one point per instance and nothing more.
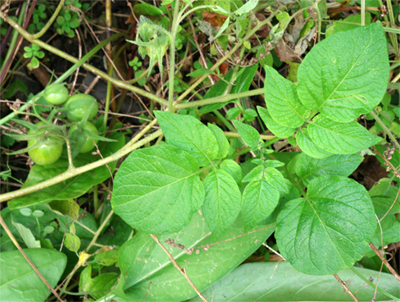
(200, 150)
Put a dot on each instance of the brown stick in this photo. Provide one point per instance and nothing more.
(4, 225)
(342, 283)
(390, 268)
(181, 270)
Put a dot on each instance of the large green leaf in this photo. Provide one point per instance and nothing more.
(259, 201)
(208, 263)
(341, 138)
(282, 101)
(189, 134)
(141, 257)
(346, 74)
(307, 168)
(222, 201)
(157, 189)
(70, 188)
(274, 127)
(18, 280)
(273, 281)
(329, 229)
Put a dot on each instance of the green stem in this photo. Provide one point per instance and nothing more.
(48, 24)
(221, 99)
(373, 285)
(174, 29)
(64, 76)
(108, 97)
(96, 202)
(224, 120)
(385, 129)
(14, 35)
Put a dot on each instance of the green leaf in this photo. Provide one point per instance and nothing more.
(189, 134)
(255, 174)
(167, 283)
(223, 144)
(249, 135)
(277, 129)
(157, 189)
(107, 258)
(346, 74)
(34, 63)
(282, 101)
(245, 77)
(247, 7)
(259, 201)
(200, 72)
(222, 201)
(66, 207)
(336, 218)
(26, 236)
(72, 242)
(19, 282)
(97, 286)
(341, 138)
(73, 187)
(308, 168)
(308, 146)
(282, 282)
(276, 180)
(233, 113)
(233, 168)
(147, 10)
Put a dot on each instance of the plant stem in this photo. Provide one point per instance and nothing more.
(385, 129)
(174, 29)
(220, 99)
(51, 20)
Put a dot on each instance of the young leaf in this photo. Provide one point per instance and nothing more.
(259, 201)
(336, 218)
(308, 168)
(308, 147)
(157, 189)
(249, 135)
(254, 174)
(222, 201)
(189, 134)
(341, 138)
(346, 74)
(223, 144)
(274, 127)
(282, 101)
